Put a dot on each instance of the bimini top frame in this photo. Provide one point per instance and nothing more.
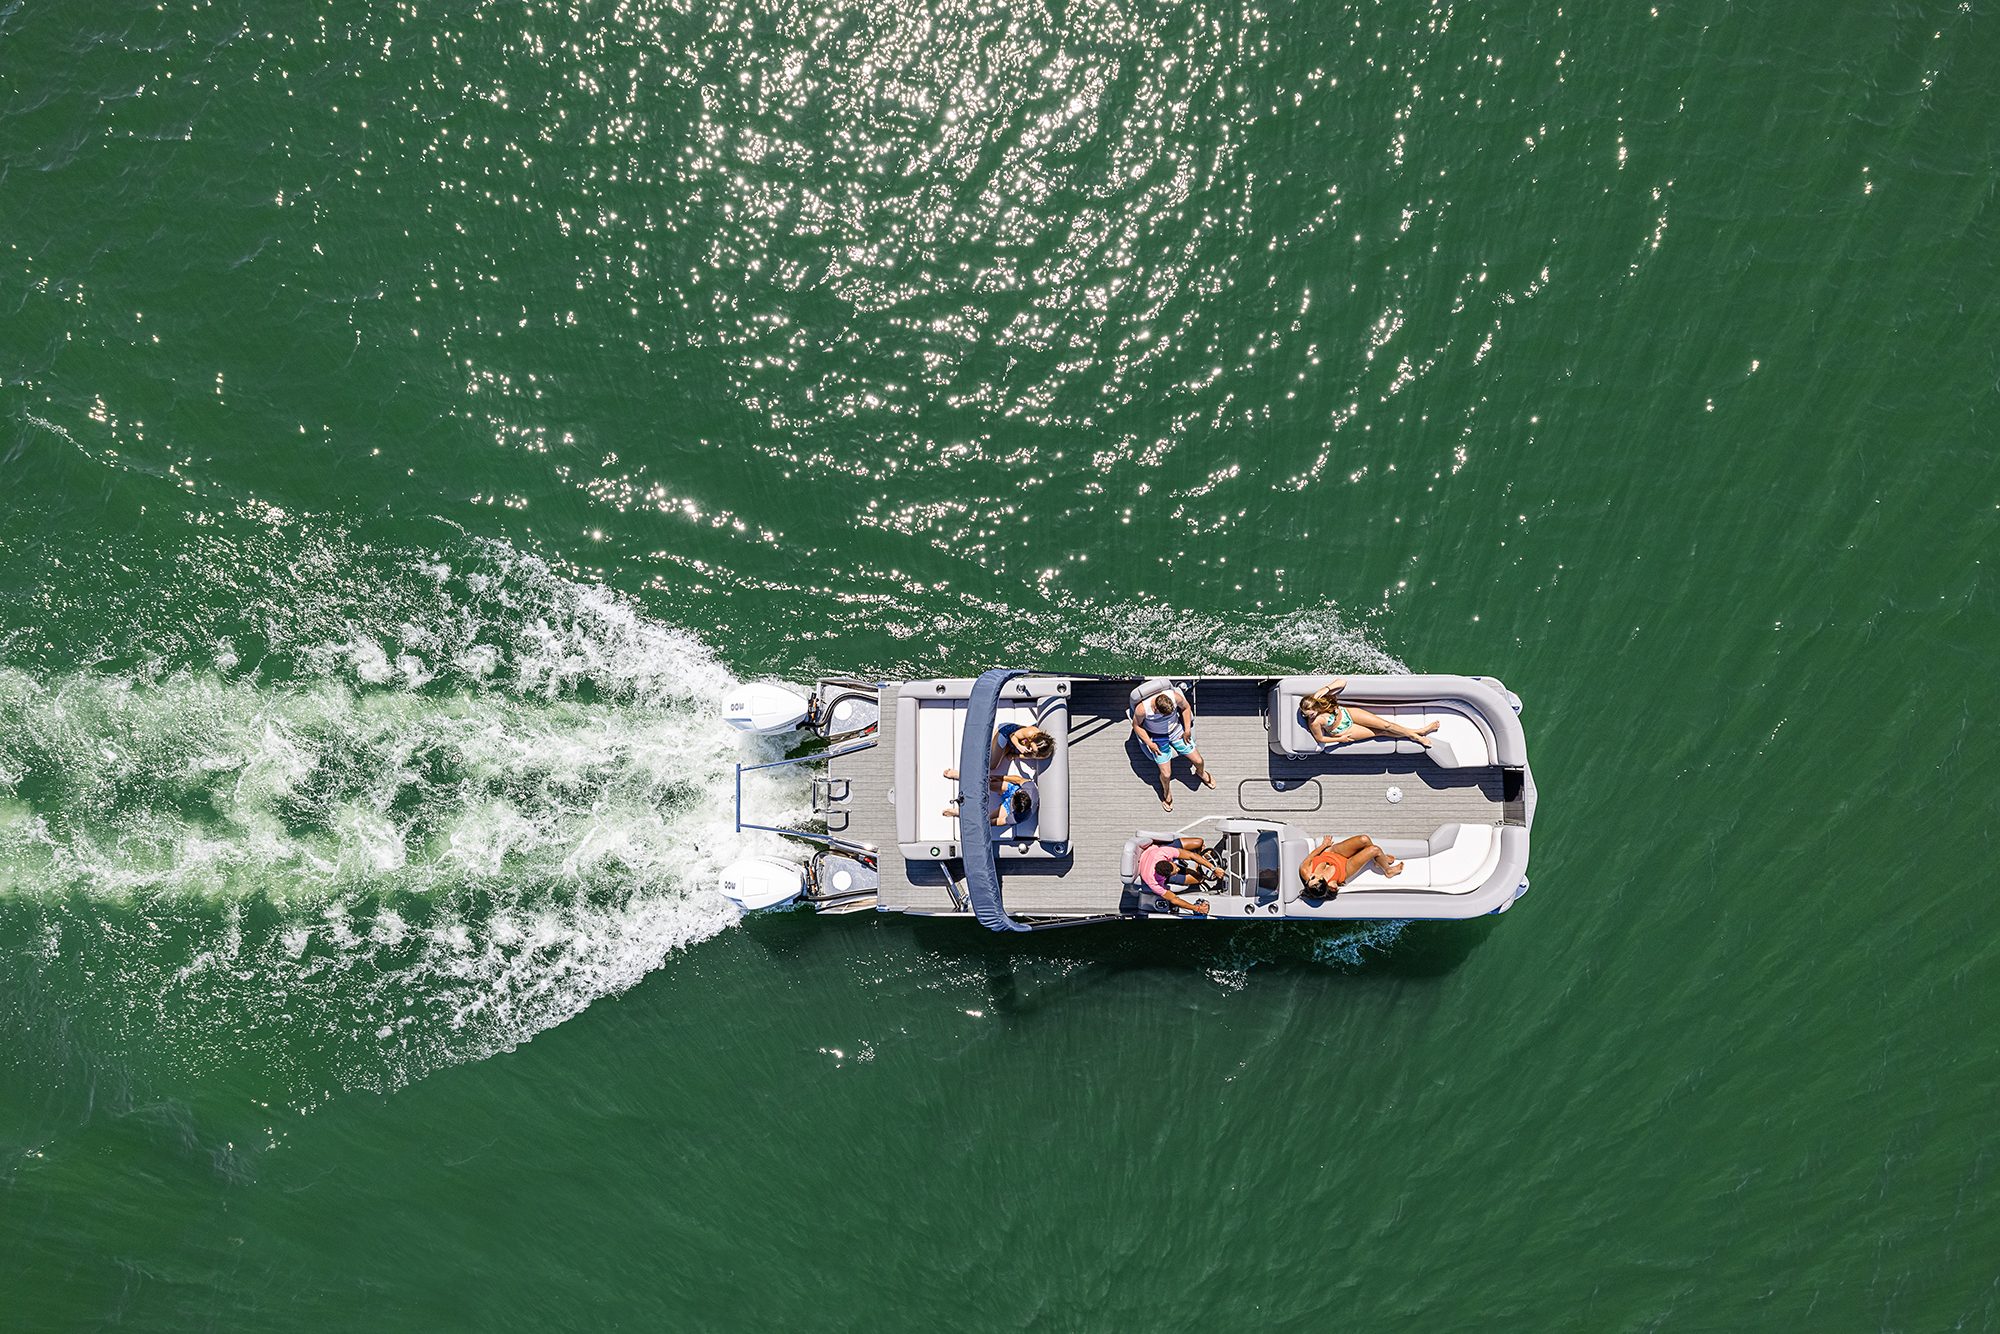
(981, 866)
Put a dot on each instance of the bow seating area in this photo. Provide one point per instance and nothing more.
(1476, 724)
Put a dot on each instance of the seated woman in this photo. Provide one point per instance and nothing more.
(1180, 862)
(1335, 724)
(1330, 865)
(1014, 741)
(1018, 798)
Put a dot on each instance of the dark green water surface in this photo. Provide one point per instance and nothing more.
(414, 416)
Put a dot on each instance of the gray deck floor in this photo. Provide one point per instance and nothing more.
(1113, 794)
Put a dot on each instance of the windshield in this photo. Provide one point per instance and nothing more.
(1266, 859)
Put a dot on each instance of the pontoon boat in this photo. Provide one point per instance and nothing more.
(1457, 813)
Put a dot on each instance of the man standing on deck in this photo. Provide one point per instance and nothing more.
(1164, 726)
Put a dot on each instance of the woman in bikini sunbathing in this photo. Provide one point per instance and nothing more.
(1330, 865)
(1335, 724)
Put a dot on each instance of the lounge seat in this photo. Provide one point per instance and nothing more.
(1455, 859)
(1476, 723)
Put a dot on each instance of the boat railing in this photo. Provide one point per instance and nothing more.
(818, 757)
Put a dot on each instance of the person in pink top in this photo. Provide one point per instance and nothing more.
(1178, 862)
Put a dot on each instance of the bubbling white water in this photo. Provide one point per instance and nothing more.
(347, 816)
(477, 803)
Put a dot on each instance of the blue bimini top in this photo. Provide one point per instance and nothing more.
(982, 867)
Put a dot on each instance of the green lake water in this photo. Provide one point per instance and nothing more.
(414, 416)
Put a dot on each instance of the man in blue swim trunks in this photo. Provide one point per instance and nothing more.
(1164, 725)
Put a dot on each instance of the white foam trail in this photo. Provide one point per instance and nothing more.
(1305, 639)
(475, 810)
(1147, 635)
(394, 811)
(1352, 947)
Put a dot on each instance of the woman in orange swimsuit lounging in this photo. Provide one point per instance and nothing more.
(1330, 865)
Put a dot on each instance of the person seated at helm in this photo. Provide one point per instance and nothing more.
(1330, 865)
(1164, 726)
(1011, 742)
(1335, 724)
(1182, 862)
(1017, 801)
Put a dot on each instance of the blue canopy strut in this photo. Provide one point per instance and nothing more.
(975, 754)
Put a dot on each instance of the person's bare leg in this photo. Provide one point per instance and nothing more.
(1373, 853)
(1166, 785)
(1347, 847)
(1201, 768)
(1378, 723)
(1202, 859)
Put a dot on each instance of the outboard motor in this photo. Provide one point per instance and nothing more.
(765, 708)
(762, 882)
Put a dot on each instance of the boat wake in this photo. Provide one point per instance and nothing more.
(479, 797)
(336, 817)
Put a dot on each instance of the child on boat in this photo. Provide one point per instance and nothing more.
(1017, 802)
